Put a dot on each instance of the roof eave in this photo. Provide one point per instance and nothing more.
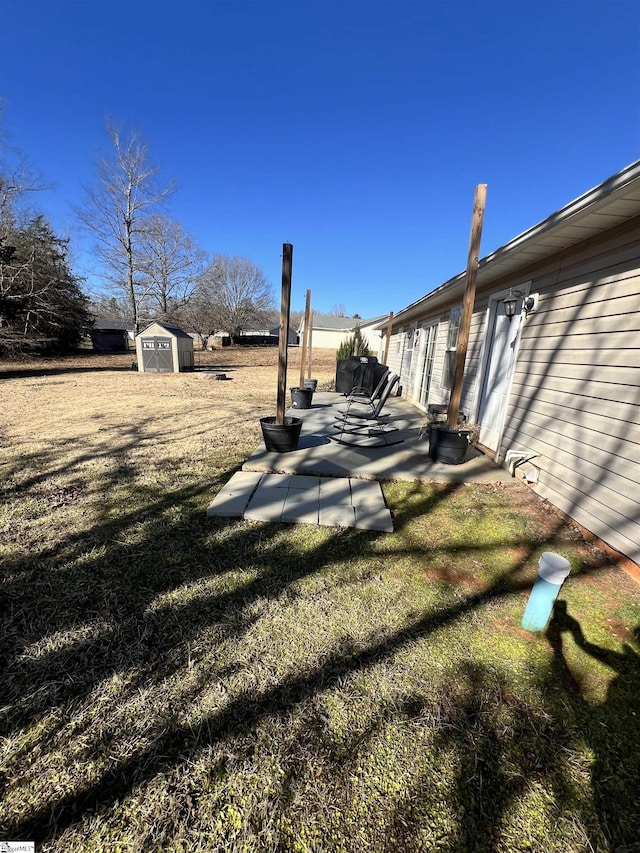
(561, 220)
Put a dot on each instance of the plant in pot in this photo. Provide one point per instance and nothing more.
(450, 444)
(281, 433)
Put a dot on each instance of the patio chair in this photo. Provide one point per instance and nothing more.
(375, 406)
(359, 393)
(368, 424)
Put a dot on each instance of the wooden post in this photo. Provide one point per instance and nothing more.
(467, 304)
(310, 344)
(285, 308)
(388, 337)
(305, 337)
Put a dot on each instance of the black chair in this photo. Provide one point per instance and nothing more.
(362, 396)
(374, 406)
(368, 424)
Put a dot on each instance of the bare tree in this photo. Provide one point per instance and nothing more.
(239, 294)
(199, 315)
(338, 311)
(295, 319)
(171, 266)
(117, 210)
(17, 181)
(108, 307)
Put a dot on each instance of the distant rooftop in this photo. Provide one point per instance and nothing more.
(337, 324)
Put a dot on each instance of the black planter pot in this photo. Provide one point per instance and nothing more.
(448, 445)
(281, 438)
(301, 398)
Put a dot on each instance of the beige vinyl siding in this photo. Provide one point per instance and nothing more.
(440, 395)
(472, 363)
(575, 393)
(575, 398)
(329, 338)
(394, 357)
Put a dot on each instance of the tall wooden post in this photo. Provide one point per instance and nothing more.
(285, 310)
(310, 345)
(467, 304)
(388, 337)
(305, 337)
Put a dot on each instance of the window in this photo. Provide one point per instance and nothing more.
(450, 353)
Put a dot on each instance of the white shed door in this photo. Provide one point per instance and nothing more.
(500, 362)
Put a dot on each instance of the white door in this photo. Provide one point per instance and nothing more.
(498, 373)
(427, 349)
(406, 373)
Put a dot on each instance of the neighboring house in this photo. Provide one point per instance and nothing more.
(292, 338)
(555, 390)
(266, 337)
(328, 332)
(111, 335)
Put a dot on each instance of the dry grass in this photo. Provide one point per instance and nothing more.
(182, 683)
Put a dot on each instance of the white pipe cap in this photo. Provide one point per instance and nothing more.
(553, 568)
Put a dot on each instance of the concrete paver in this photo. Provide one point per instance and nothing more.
(302, 500)
(342, 515)
(232, 500)
(301, 506)
(373, 519)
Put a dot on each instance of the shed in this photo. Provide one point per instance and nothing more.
(162, 348)
(109, 335)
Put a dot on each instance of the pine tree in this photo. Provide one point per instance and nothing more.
(356, 345)
(41, 304)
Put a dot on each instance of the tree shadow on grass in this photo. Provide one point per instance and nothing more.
(149, 581)
(501, 747)
(175, 743)
(611, 728)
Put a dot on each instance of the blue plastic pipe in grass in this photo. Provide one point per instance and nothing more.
(553, 570)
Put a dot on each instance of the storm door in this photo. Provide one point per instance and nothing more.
(427, 352)
(503, 333)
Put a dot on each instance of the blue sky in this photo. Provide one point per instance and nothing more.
(355, 130)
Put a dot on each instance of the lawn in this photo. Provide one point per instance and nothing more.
(183, 683)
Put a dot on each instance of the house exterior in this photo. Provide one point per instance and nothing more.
(555, 390)
(328, 332)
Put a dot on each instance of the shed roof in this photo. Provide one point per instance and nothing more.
(611, 203)
(102, 324)
(176, 331)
